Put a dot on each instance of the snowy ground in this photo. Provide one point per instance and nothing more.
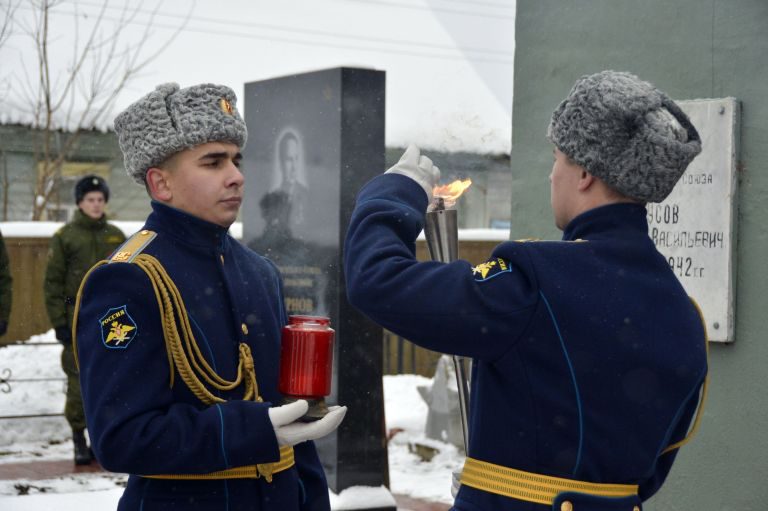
(26, 440)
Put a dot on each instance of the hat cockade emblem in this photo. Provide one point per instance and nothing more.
(226, 106)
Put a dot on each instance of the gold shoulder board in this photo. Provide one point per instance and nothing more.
(133, 247)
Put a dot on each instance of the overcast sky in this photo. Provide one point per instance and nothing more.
(449, 63)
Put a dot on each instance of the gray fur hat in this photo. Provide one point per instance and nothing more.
(626, 132)
(170, 119)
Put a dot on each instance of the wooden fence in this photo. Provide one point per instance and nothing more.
(28, 257)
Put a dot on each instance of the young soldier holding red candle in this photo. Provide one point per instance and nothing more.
(178, 333)
(589, 359)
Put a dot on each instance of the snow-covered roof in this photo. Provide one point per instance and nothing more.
(11, 117)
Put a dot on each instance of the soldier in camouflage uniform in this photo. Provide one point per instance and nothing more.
(85, 240)
(5, 288)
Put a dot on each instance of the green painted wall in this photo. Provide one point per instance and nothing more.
(690, 49)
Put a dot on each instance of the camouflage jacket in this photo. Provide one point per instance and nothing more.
(74, 248)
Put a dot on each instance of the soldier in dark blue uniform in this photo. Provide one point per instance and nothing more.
(589, 359)
(178, 333)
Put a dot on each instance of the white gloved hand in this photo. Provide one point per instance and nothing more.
(419, 168)
(289, 432)
(455, 482)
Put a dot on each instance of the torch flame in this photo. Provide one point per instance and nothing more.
(451, 192)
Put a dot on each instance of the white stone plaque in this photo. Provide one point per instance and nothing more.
(695, 227)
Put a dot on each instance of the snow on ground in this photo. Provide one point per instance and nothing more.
(409, 474)
(47, 439)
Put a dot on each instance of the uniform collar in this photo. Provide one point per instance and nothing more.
(87, 222)
(184, 227)
(622, 220)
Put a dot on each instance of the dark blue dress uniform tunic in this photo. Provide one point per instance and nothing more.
(140, 424)
(588, 356)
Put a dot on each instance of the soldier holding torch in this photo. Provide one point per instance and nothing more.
(589, 359)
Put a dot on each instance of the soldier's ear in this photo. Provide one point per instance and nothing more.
(586, 180)
(158, 184)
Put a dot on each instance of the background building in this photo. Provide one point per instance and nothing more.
(96, 152)
(485, 205)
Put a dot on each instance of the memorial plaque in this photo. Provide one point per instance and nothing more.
(695, 227)
(313, 140)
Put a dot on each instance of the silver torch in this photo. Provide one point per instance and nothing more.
(442, 234)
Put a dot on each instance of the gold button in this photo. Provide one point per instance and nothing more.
(245, 329)
(636, 508)
(222, 258)
(566, 506)
(144, 232)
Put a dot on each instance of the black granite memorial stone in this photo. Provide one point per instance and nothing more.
(313, 140)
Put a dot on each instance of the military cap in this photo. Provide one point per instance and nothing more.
(91, 183)
(626, 132)
(170, 119)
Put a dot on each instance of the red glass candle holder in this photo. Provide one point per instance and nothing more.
(306, 362)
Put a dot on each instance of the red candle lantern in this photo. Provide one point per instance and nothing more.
(306, 359)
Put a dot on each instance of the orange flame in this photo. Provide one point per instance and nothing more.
(451, 192)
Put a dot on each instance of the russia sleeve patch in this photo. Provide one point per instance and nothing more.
(490, 269)
(117, 328)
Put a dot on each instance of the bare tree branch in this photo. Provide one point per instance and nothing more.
(65, 101)
(7, 12)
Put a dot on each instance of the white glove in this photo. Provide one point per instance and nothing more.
(419, 168)
(455, 482)
(289, 432)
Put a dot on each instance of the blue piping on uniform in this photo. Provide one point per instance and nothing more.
(205, 340)
(573, 378)
(144, 494)
(502, 272)
(226, 495)
(303, 491)
(223, 451)
(667, 436)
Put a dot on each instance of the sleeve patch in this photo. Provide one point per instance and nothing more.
(118, 328)
(491, 269)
